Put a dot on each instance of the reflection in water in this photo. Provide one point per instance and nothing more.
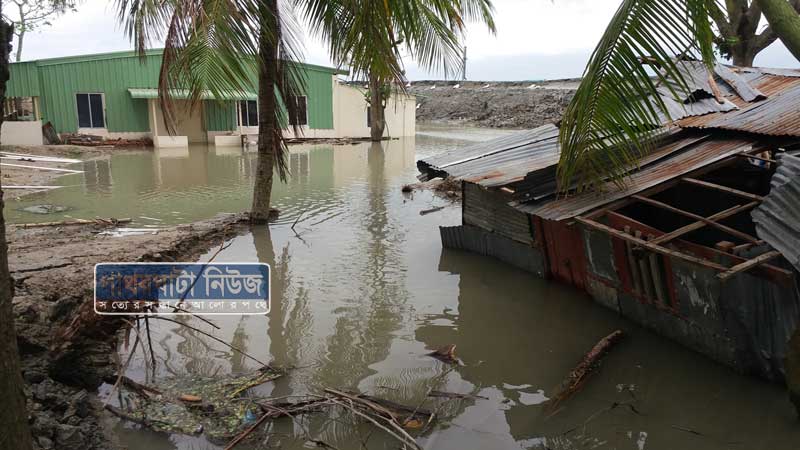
(365, 291)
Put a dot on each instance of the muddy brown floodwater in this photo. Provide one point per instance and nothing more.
(366, 290)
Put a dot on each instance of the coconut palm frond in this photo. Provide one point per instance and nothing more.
(617, 110)
(370, 36)
(144, 21)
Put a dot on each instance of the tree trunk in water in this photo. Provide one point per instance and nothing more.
(785, 20)
(13, 416)
(267, 104)
(377, 118)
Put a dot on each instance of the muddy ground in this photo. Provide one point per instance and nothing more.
(491, 103)
(52, 269)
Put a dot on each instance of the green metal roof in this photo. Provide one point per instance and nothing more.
(150, 52)
(184, 93)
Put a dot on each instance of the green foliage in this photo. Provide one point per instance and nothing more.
(214, 46)
(370, 36)
(616, 112)
(30, 15)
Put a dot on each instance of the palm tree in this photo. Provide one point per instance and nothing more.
(219, 46)
(13, 418)
(613, 117)
(212, 45)
(369, 36)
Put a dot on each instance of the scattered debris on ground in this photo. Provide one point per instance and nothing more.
(492, 104)
(89, 140)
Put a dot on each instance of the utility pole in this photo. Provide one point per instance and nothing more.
(464, 65)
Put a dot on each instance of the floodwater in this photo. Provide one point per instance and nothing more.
(366, 290)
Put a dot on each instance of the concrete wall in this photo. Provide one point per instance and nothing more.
(350, 113)
(21, 133)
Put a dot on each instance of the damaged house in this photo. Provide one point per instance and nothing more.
(701, 244)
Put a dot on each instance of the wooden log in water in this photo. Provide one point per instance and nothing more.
(580, 374)
(104, 222)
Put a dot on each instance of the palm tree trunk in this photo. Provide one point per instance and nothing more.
(377, 117)
(13, 417)
(785, 20)
(267, 127)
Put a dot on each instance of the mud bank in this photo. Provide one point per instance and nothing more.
(66, 349)
(492, 104)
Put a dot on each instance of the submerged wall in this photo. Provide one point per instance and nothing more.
(745, 322)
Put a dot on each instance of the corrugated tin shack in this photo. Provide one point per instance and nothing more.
(690, 247)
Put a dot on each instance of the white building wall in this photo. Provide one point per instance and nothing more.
(350, 113)
(21, 133)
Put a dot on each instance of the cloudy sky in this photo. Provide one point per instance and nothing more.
(536, 39)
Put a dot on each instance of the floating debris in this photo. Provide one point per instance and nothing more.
(215, 407)
(446, 354)
(45, 209)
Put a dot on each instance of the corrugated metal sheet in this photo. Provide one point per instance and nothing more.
(57, 81)
(490, 211)
(23, 80)
(778, 115)
(771, 71)
(777, 219)
(482, 242)
(476, 152)
(693, 158)
(511, 165)
(220, 116)
(742, 87)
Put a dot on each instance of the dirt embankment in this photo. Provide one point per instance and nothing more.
(52, 269)
(492, 104)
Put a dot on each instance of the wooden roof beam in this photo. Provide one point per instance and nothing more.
(721, 188)
(749, 264)
(672, 235)
(655, 248)
(707, 221)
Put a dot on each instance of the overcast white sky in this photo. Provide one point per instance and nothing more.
(536, 39)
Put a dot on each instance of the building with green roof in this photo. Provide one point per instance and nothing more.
(116, 95)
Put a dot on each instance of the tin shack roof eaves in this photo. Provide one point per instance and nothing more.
(696, 157)
(509, 166)
(777, 219)
(486, 149)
